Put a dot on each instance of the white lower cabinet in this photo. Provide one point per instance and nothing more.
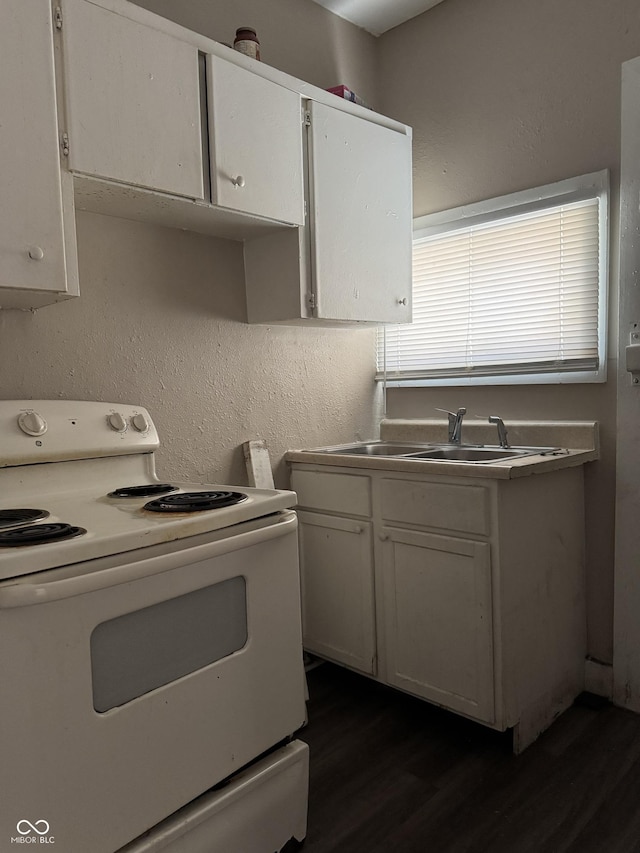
(465, 591)
(437, 615)
(338, 616)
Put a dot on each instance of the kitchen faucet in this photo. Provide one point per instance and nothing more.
(455, 424)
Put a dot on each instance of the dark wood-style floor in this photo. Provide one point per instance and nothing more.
(392, 774)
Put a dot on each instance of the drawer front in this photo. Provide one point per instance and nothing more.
(462, 508)
(346, 494)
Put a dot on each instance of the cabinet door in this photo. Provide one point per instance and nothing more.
(360, 175)
(32, 251)
(255, 134)
(338, 611)
(438, 619)
(133, 102)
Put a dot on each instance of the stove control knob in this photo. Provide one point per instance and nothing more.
(117, 422)
(140, 423)
(32, 423)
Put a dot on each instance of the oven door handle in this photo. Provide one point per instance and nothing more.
(27, 591)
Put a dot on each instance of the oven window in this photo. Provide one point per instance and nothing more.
(143, 650)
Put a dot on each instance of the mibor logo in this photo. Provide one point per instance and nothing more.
(33, 833)
(40, 826)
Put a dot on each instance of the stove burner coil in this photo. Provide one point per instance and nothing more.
(38, 534)
(195, 501)
(142, 491)
(14, 517)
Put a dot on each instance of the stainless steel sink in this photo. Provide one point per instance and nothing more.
(472, 454)
(475, 454)
(375, 448)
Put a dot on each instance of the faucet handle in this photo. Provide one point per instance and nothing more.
(452, 421)
(461, 411)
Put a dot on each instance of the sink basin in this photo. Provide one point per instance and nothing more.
(472, 454)
(375, 448)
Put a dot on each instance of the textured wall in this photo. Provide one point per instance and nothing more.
(508, 94)
(504, 95)
(160, 322)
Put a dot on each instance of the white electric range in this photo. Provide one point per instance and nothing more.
(151, 645)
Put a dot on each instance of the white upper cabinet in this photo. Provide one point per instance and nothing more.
(133, 102)
(352, 262)
(37, 229)
(109, 108)
(360, 177)
(255, 137)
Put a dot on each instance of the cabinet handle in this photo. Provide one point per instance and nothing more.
(238, 181)
(36, 253)
(383, 537)
(402, 301)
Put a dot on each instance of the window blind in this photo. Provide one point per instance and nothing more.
(514, 296)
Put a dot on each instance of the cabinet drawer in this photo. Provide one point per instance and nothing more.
(347, 494)
(442, 505)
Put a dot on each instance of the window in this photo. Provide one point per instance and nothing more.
(508, 291)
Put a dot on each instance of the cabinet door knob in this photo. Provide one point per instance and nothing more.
(402, 301)
(383, 537)
(238, 181)
(36, 253)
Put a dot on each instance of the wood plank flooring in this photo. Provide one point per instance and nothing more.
(392, 774)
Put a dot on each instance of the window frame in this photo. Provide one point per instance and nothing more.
(592, 186)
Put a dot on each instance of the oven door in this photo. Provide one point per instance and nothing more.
(132, 685)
